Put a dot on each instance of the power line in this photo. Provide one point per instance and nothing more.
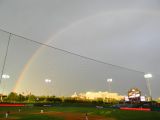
(72, 53)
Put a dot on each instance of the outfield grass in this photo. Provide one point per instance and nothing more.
(39, 117)
(27, 113)
(32, 117)
(113, 113)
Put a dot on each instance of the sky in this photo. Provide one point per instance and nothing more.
(122, 33)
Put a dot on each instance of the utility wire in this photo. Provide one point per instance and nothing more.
(72, 53)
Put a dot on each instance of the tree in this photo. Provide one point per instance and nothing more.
(21, 98)
(31, 98)
(12, 97)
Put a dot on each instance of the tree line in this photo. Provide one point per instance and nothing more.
(30, 98)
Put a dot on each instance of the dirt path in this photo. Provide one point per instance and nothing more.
(76, 116)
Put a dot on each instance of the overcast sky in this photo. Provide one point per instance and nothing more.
(123, 33)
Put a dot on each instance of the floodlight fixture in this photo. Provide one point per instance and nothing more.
(47, 81)
(148, 76)
(109, 80)
(5, 76)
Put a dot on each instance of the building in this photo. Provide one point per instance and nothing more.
(97, 95)
(2, 97)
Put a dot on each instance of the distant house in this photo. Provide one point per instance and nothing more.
(2, 97)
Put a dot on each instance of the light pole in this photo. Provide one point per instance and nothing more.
(148, 77)
(109, 81)
(4, 76)
(48, 81)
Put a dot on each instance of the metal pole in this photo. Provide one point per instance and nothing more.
(5, 58)
(149, 88)
(109, 86)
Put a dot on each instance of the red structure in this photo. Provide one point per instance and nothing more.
(136, 109)
(11, 105)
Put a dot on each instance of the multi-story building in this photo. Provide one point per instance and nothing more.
(98, 95)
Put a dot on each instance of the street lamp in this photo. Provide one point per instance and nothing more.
(147, 77)
(109, 83)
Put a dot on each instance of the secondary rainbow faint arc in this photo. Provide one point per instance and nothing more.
(38, 51)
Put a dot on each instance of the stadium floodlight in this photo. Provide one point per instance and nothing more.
(47, 81)
(5, 76)
(109, 80)
(147, 77)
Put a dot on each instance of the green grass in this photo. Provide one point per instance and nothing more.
(32, 117)
(28, 113)
(112, 113)
(39, 117)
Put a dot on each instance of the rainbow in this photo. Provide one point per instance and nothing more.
(39, 50)
(53, 37)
